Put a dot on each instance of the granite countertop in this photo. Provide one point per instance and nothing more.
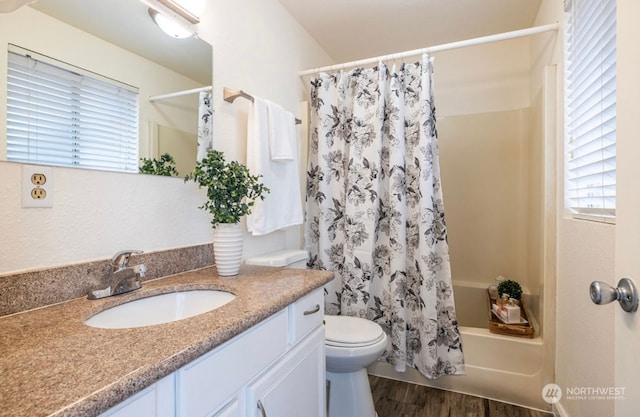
(52, 364)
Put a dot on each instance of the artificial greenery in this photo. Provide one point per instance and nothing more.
(231, 189)
(164, 166)
(510, 287)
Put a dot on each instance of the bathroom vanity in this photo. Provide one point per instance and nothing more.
(275, 368)
(260, 355)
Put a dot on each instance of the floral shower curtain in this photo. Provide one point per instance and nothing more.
(375, 213)
(205, 125)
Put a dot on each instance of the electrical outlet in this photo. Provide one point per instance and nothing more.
(37, 186)
(38, 179)
(38, 193)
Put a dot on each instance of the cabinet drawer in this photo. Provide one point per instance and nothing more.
(305, 315)
(206, 383)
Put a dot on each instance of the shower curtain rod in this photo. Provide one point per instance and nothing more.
(438, 48)
(180, 93)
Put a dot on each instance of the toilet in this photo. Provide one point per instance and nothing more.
(351, 344)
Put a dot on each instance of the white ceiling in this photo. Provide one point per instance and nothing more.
(347, 29)
(356, 29)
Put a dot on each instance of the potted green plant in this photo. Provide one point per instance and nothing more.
(231, 193)
(510, 287)
(165, 166)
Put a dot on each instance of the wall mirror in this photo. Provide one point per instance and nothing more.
(118, 39)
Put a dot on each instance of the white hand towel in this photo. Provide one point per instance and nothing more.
(282, 207)
(282, 133)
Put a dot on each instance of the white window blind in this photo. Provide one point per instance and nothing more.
(61, 115)
(590, 100)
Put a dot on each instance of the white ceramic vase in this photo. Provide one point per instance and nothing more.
(227, 248)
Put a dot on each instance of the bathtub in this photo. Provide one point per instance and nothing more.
(504, 368)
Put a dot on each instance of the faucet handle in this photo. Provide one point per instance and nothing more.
(121, 259)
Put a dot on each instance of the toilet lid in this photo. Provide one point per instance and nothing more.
(345, 330)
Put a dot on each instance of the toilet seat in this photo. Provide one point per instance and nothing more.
(351, 332)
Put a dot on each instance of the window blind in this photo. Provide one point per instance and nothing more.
(590, 100)
(58, 115)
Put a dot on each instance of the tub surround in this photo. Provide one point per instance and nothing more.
(502, 368)
(54, 365)
(38, 288)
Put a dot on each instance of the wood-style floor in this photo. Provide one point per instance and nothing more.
(401, 399)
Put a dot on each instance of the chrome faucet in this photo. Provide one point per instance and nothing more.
(122, 277)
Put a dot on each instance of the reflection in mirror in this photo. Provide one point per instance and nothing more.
(118, 40)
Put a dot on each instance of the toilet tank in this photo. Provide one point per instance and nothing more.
(291, 258)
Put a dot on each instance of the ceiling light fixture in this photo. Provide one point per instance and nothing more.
(177, 18)
(169, 26)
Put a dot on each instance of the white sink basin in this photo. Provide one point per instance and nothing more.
(164, 308)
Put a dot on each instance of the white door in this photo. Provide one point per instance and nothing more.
(627, 355)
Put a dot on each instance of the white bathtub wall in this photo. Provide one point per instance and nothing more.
(491, 163)
(546, 116)
(535, 151)
(471, 304)
(257, 47)
(482, 79)
(484, 180)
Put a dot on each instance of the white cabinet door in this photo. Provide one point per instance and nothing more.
(158, 400)
(295, 387)
(208, 382)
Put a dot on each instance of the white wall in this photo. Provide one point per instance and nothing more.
(94, 215)
(585, 252)
(257, 47)
(260, 49)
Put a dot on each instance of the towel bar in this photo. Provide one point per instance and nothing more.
(230, 95)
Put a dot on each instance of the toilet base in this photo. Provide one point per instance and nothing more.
(350, 394)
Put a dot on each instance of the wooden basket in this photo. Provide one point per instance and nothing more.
(519, 330)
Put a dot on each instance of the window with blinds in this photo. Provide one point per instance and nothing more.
(61, 115)
(590, 108)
